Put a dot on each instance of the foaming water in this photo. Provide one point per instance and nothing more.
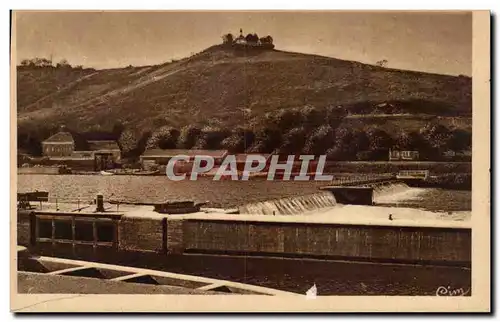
(392, 193)
(395, 192)
(291, 205)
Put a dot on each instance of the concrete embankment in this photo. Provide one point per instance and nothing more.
(400, 241)
(333, 233)
(344, 249)
(40, 170)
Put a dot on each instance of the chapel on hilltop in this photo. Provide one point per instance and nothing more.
(248, 41)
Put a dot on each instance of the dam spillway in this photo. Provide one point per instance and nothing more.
(290, 205)
(331, 196)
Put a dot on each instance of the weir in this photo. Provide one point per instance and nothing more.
(382, 191)
(365, 194)
(290, 205)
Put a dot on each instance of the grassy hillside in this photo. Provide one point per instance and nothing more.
(222, 86)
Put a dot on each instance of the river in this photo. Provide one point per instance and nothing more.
(225, 193)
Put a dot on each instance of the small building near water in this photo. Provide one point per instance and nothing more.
(60, 144)
(97, 154)
(398, 155)
(154, 157)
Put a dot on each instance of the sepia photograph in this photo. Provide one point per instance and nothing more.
(248, 157)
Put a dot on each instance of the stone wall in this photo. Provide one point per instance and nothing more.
(288, 239)
(141, 234)
(24, 227)
(363, 242)
(175, 233)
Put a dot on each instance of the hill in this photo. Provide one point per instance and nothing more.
(250, 100)
(224, 86)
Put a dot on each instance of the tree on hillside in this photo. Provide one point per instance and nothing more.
(460, 140)
(379, 139)
(128, 142)
(437, 136)
(142, 143)
(189, 136)
(30, 136)
(335, 153)
(294, 141)
(266, 140)
(380, 142)
(312, 117)
(382, 63)
(29, 142)
(322, 139)
(359, 142)
(285, 119)
(348, 143)
(335, 115)
(63, 64)
(252, 38)
(36, 62)
(409, 141)
(239, 140)
(266, 40)
(163, 138)
(211, 137)
(117, 129)
(227, 38)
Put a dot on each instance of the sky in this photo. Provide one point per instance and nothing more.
(431, 42)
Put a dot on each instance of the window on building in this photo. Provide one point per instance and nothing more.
(77, 230)
(63, 229)
(44, 228)
(84, 230)
(105, 232)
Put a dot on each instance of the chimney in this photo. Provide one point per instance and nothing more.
(62, 128)
(99, 203)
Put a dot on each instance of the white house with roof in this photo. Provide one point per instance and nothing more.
(101, 153)
(60, 144)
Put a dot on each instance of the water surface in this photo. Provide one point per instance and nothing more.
(222, 193)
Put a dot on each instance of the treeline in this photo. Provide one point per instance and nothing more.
(411, 106)
(250, 38)
(287, 131)
(40, 62)
(305, 130)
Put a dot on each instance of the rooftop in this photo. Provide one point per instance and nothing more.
(60, 137)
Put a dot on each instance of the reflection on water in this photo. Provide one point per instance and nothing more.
(222, 193)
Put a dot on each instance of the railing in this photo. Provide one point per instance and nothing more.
(356, 178)
(55, 203)
(413, 174)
